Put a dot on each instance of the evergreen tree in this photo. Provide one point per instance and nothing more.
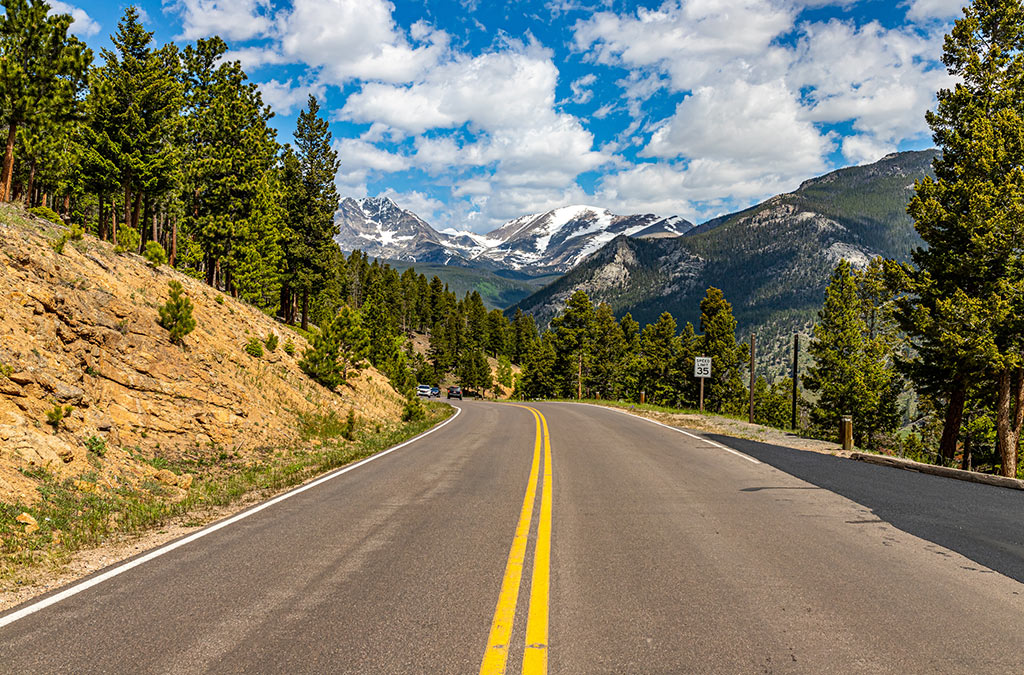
(850, 373)
(724, 390)
(338, 350)
(42, 71)
(311, 207)
(176, 314)
(658, 359)
(573, 342)
(609, 349)
(539, 379)
(964, 308)
(524, 334)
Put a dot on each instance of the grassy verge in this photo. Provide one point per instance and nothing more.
(80, 513)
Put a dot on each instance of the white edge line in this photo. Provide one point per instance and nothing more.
(677, 429)
(110, 574)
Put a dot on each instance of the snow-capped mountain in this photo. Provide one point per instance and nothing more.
(554, 241)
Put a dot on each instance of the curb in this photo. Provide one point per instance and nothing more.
(945, 472)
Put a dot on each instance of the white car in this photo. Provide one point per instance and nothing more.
(423, 390)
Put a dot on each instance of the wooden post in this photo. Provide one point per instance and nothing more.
(753, 357)
(579, 380)
(846, 432)
(702, 394)
(796, 357)
(643, 397)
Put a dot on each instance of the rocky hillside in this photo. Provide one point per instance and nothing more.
(772, 260)
(78, 331)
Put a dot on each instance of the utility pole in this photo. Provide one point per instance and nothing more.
(753, 353)
(796, 357)
(579, 382)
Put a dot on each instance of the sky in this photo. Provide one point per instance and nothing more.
(473, 112)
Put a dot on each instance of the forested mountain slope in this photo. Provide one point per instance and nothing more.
(772, 260)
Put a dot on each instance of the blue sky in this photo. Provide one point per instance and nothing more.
(473, 112)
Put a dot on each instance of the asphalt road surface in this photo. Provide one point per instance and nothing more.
(567, 539)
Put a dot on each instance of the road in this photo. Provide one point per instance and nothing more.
(574, 539)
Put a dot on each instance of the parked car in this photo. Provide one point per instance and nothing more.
(455, 392)
(435, 392)
(423, 390)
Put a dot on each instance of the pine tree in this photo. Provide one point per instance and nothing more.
(338, 351)
(851, 372)
(965, 309)
(312, 206)
(176, 315)
(42, 71)
(609, 349)
(573, 333)
(724, 390)
(659, 356)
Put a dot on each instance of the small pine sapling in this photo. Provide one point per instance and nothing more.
(254, 347)
(56, 415)
(128, 239)
(155, 254)
(271, 342)
(349, 432)
(176, 315)
(289, 347)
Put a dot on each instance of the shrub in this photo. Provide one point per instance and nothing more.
(271, 342)
(155, 254)
(413, 410)
(349, 432)
(5, 370)
(73, 233)
(96, 445)
(289, 347)
(127, 239)
(176, 315)
(47, 213)
(254, 347)
(56, 415)
(219, 299)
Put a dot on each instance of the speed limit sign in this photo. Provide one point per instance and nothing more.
(702, 366)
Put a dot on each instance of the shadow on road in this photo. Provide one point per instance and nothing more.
(981, 522)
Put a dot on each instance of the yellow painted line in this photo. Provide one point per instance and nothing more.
(535, 657)
(496, 655)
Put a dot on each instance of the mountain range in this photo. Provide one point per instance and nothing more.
(772, 260)
(538, 244)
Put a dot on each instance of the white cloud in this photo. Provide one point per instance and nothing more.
(357, 39)
(935, 9)
(82, 24)
(230, 19)
(865, 149)
(255, 57)
(758, 125)
(356, 154)
(884, 90)
(581, 92)
(285, 98)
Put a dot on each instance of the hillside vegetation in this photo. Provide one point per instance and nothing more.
(98, 406)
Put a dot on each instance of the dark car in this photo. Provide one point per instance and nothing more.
(435, 392)
(455, 392)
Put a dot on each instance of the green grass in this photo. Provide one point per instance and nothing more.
(71, 519)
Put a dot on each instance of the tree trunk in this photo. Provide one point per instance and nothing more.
(174, 240)
(101, 225)
(31, 185)
(45, 199)
(305, 310)
(136, 209)
(5, 178)
(113, 220)
(211, 268)
(954, 419)
(286, 301)
(66, 207)
(1009, 416)
(127, 220)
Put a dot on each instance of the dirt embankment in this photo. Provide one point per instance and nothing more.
(79, 329)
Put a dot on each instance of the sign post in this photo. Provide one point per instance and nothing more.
(702, 370)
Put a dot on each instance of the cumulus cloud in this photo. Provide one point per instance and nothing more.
(82, 24)
(357, 39)
(286, 97)
(581, 92)
(935, 9)
(230, 19)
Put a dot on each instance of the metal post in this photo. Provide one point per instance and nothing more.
(753, 352)
(796, 357)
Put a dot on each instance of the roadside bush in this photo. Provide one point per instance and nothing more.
(349, 432)
(155, 254)
(254, 347)
(271, 342)
(413, 410)
(176, 315)
(128, 239)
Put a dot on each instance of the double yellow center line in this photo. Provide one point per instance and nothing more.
(535, 654)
